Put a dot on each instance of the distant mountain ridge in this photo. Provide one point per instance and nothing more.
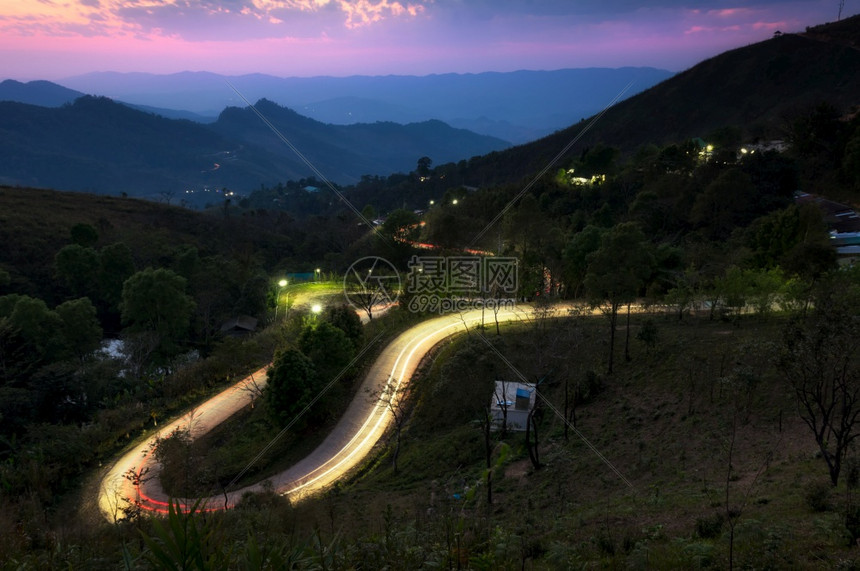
(49, 94)
(518, 106)
(95, 144)
(43, 93)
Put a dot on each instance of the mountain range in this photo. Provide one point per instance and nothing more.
(98, 145)
(518, 106)
(58, 137)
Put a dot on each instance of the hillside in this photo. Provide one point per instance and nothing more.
(346, 152)
(35, 224)
(100, 146)
(758, 88)
(97, 145)
(691, 440)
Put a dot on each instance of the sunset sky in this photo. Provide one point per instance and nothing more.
(53, 39)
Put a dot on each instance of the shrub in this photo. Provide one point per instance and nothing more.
(817, 494)
(709, 527)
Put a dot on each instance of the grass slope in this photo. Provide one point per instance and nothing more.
(667, 421)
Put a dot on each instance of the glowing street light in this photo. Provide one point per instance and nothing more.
(316, 308)
(454, 201)
(281, 285)
(317, 272)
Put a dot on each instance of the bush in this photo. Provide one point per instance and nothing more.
(710, 527)
(817, 494)
(852, 523)
(590, 388)
(648, 334)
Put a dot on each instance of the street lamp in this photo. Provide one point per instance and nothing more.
(281, 285)
(317, 272)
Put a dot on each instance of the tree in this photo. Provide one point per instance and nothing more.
(648, 334)
(447, 226)
(84, 235)
(617, 271)
(29, 338)
(725, 204)
(851, 159)
(38, 328)
(371, 283)
(401, 225)
(575, 257)
(423, 167)
(369, 212)
(820, 361)
(681, 296)
(734, 510)
(795, 238)
(532, 441)
(213, 279)
(766, 287)
(395, 397)
(252, 300)
(78, 268)
(734, 288)
(154, 300)
(116, 265)
(292, 384)
(180, 470)
(80, 326)
(328, 347)
(344, 318)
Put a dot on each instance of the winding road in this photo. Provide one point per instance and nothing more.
(351, 440)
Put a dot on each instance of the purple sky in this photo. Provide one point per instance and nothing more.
(52, 39)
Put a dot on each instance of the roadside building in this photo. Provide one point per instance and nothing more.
(511, 404)
(240, 325)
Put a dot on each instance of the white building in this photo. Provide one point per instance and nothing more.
(511, 402)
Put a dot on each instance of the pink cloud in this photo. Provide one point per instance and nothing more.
(364, 12)
(783, 25)
(729, 12)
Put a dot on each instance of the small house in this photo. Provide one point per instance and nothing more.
(241, 325)
(511, 404)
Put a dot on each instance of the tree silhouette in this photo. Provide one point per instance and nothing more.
(820, 362)
(617, 271)
(292, 384)
(154, 300)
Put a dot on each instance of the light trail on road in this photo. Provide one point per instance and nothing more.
(349, 443)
